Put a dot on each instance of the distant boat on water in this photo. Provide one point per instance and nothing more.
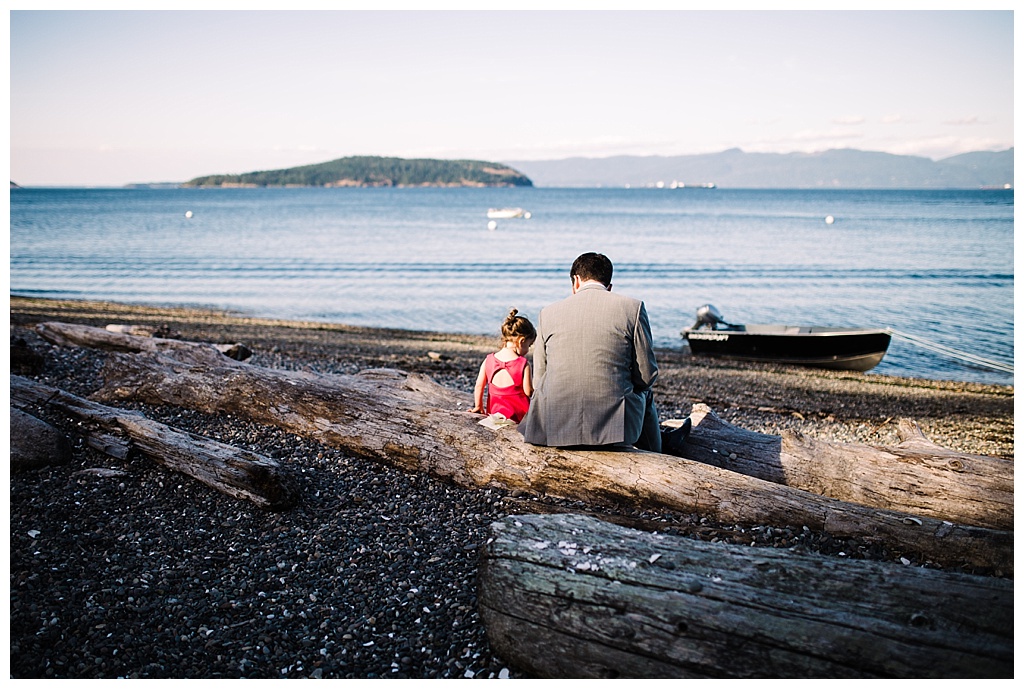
(506, 213)
(705, 185)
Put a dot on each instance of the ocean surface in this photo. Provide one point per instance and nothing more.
(937, 265)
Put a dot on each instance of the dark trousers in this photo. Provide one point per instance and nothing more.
(650, 433)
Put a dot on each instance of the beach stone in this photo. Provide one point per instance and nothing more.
(237, 351)
(35, 443)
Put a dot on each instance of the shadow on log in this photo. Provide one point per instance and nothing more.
(568, 596)
(916, 476)
(230, 470)
(35, 443)
(410, 421)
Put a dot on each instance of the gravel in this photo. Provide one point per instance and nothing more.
(120, 568)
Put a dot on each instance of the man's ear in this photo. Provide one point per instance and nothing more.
(576, 282)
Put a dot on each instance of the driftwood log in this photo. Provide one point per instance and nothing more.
(915, 476)
(236, 472)
(124, 338)
(569, 596)
(410, 421)
(36, 443)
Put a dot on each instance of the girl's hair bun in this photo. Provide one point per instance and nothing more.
(517, 326)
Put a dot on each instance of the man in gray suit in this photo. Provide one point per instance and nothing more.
(594, 366)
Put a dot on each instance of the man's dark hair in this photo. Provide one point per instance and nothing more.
(591, 266)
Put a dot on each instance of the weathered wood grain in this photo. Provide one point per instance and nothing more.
(915, 476)
(569, 596)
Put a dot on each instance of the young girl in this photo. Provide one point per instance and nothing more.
(505, 374)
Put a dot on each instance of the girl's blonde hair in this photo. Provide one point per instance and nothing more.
(517, 326)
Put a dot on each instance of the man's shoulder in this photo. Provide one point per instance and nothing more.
(592, 296)
(593, 301)
(624, 300)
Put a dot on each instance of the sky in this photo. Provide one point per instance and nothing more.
(107, 98)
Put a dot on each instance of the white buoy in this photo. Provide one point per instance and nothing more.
(492, 225)
(527, 215)
(829, 220)
(188, 214)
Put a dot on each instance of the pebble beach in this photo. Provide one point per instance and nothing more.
(121, 568)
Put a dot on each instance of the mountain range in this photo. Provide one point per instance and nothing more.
(837, 169)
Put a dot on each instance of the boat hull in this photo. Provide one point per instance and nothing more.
(833, 348)
(507, 213)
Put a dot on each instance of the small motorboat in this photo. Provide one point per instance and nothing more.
(850, 349)
(506, 213)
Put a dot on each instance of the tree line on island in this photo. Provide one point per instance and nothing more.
(376, 171)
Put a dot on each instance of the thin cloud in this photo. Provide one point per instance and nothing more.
(850, 120)
(831, 135)
(806, 141)
(297, 148)
(938, 147)
(591, 148)
(964, 121)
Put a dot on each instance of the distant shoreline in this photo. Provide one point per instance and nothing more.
(535, 187)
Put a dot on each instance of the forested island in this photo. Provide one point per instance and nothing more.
(375, 171)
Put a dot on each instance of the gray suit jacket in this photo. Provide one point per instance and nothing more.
(593, 368)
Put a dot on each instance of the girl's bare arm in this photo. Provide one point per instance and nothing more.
(528, 381)
(478, 391)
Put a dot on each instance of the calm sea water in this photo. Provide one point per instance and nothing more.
(935, 264)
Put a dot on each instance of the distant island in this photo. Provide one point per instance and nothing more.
(374, 171)
(737, 169)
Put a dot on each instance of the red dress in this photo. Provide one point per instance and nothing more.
(510, 401)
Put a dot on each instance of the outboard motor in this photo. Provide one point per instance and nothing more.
(710, 317)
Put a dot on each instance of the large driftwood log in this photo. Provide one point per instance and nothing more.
(568, 596)
(410, 421)
(236, 472)
(915, 476)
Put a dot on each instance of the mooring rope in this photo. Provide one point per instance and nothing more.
(950, 352)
